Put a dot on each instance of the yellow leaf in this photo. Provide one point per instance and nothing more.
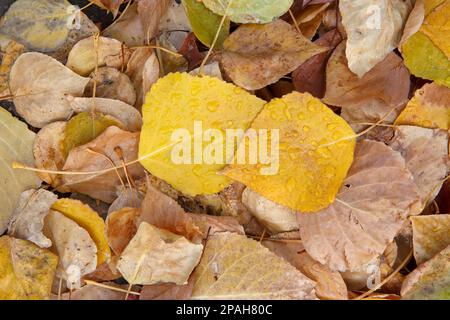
(26, 271)
(429, 108)
(85, 127)
(427, 52)
(431, 234)
(88, 219)
(176, 102)
(235, 267)
(314, 155)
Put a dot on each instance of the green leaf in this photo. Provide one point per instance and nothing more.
(205, 23)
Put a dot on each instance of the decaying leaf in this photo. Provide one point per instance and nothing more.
(235, 267)
(26, 271)
(429, 108)
(40, 85)
(126, 114)
(88, 219)
(76, 250)
(276, 218)
(97, 51)
(426, 155)
(255, 55)
(15, 145)
(316, 150)
(93, 292)
(155, 255)
(45, 25)
(214, 103)
(9, 52)
(370, 98)
(431, 280)
(121, 227)
(329, 284)
(310, 76)
(374, 29)
(48, 151)
(112, 84)
(431, 234)
(375, 199)
(27, 222)
(427, 52)
(126, 198)
(249, 11)
(85, 127)
(150, 12)
(113, 147)
(110, 5)
(167, 291)
(206, 23)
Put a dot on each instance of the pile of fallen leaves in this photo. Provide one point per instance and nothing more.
(92, 207)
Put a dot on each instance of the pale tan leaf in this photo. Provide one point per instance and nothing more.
(40, 85)
(155, 255)
(374, 29)
(76, 250)
(126, 114)
(426, 154)
(27, 220)
(431, 234)
(167, 291)
(275, 217)
(15, 145)
(150, 12)
(255, 55)
(48, 153)
(235, 267)
(113, 146)
(89, 53)
(375, 199)
(414, 21)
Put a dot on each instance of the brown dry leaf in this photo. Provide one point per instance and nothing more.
(275, 217)
(255, 55)
(431, 280)
(429, 108)
(127, 28)
(235, 267)
(374, 29)
(310, 76)
(329, 284)
(142, 59)
(76, 250)
(91, 52)
(155, 255)
(126, 198)
(121, 227)
(367, 99)
(48, 152)
(168, 291)
(27, 220)
(164, 212)
(310, 19)
(110, 5)
(431, 234)
(26, 271)
(40, 85)
(112, 84)
(426, 155)
(150, 12)
(126, 114)
(113, 146)
(414, 21)
(375, 199)
(94, 292)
